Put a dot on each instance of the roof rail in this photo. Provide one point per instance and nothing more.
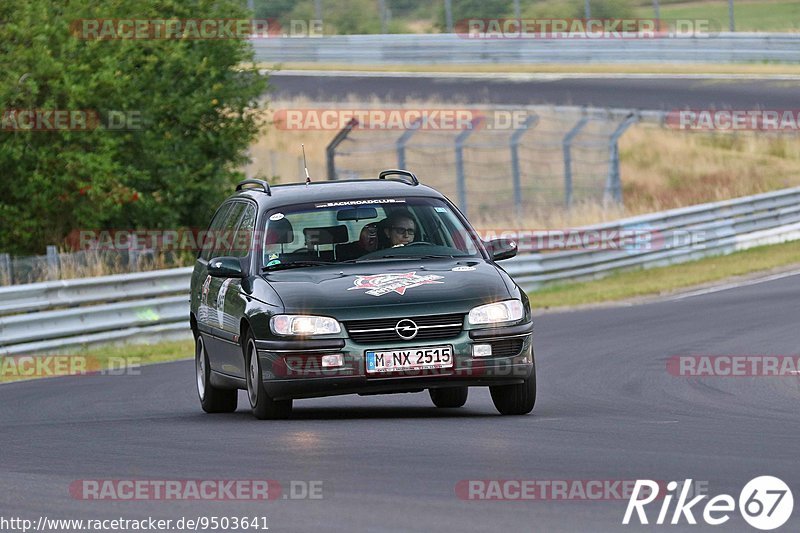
(412, 179)
(263, 184)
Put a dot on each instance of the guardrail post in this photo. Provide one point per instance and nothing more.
(567, 147)
(613, 189)
(461, 182)
(530, 122)
(6, 274)
(403, 140)
(52, 262)
(331, 149)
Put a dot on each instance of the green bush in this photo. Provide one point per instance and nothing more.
(171, 170)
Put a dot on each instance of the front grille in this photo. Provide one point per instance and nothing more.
(506, 347)
(382, 329)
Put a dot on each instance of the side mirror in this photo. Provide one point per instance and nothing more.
(502, 248)
(225, 267)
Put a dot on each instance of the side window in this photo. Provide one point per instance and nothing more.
(243, 239)
(213, 229)
(223, 238)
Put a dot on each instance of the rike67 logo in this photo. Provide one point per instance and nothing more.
(765, 503)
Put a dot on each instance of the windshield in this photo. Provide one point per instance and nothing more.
(364, 230)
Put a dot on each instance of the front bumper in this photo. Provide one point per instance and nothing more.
(292, 369)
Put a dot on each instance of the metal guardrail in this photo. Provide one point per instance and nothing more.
(724, 226)
(421, 49)
(60, 315)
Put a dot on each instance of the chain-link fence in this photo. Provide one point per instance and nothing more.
(500, 160)
(59, 264)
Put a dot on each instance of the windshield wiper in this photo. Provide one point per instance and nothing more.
(413, 256)
(295, 264)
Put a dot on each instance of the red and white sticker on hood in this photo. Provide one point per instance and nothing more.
(381, 284)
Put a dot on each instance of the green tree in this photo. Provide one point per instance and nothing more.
(196, 100)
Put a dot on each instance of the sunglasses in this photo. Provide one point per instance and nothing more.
(404, 231)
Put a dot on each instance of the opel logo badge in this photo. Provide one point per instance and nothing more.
(406, 329)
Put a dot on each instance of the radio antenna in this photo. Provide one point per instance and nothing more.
(305, 165)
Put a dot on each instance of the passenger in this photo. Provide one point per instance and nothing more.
(366, 243)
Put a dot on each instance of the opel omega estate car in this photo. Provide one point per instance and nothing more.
(372, 286)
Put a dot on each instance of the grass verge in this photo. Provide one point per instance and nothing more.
(111, 360)
(760, 15)
(663, 280)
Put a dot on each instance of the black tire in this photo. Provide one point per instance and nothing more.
(264, 407)
(449, 397)
(515, 399)
(212, 399)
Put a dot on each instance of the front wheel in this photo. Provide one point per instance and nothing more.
(515, 399)
(264, 407)
(449, 397)
(212, 399)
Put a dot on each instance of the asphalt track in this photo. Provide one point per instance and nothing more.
(653, 93)
(607, 410)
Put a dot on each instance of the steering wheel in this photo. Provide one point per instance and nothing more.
(417, 243)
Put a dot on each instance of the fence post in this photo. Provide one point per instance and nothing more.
(531, 121)
(5, 269)
(461, 183)
(613, 187)
(52, 262)
(133, 255)
(448, 15)
(403, 140)
(567, 147)
(331, 149)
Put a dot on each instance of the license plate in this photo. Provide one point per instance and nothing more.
(409, 359)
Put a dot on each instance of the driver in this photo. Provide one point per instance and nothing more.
(400, 228)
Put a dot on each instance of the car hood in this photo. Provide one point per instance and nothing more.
(383, 288)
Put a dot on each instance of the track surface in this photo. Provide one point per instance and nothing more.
(653, 93)
(607, 409)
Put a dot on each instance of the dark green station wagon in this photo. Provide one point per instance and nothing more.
(363, 287)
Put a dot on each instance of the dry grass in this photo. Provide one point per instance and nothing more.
(660, 168)
(664, 169)
(92, 263)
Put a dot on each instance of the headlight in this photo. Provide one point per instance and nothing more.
(498, 312)
(303, 325)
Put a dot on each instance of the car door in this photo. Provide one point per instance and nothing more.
(219, 339)
(230, 302)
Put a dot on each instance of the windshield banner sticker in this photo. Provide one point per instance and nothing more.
(362, 202)
(381, 284)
